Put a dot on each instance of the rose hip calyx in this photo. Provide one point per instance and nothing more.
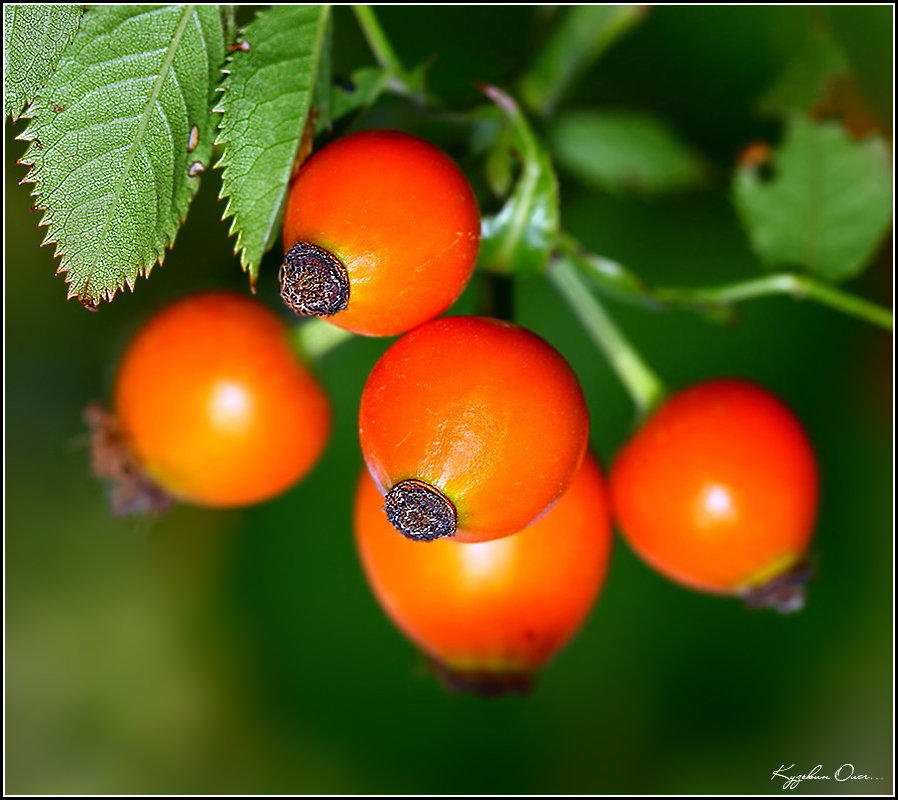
(420, 511)
(314, 282)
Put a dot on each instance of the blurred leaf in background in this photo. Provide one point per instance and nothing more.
(578, 39)
(804, 80)
(827, 205)
(623, 151)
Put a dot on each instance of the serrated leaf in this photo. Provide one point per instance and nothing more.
(520, 238)
(826, 207)
(802, 83)
(360, 91)
(34, 38)
(623, 150)
(266, 96)
(110, 135)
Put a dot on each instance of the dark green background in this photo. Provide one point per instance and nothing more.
(241, 651)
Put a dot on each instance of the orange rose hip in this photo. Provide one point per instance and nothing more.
(718, 491)
(381, 232)
(214, 405)
(471, 428)
(491, 614)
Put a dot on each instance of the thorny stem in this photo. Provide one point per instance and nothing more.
(799, 287)
(644, 387)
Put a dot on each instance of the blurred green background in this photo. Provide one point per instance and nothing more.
(242, 652)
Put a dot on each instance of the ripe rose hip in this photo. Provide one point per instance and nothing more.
(472, 428)
(491, 614)
(718, 490)
(214, 406)
(381, 232)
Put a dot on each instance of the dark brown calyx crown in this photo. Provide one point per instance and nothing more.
(484, 683)
(131, 490)
(314, 282)
(784, 593)
(420, 512)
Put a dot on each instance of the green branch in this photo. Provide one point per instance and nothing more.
(617, 281)
(798, 287)
(644, 387)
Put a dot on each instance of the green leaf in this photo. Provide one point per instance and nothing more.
(111, 135)
(34, 37)
(520, 238)
(582, 35)
(806, 76)
(266, 96)
(623, 150)
(363, 88)
(828, 204)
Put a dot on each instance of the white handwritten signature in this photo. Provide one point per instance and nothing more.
(846, 772)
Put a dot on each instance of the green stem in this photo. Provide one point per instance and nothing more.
(614, 279)
(799, 287)
(495, 295)
(314, 338)
(382, 49)
(644, 387)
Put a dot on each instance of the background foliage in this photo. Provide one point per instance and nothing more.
(242, 652)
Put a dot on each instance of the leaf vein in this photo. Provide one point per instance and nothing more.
(144, 119)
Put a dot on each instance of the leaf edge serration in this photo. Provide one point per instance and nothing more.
(222, 139)
(161, 236)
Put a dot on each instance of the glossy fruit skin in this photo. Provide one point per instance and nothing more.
(483, 410)
(401, 217)
(215, 405)
(718, 489)
(495, 608)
